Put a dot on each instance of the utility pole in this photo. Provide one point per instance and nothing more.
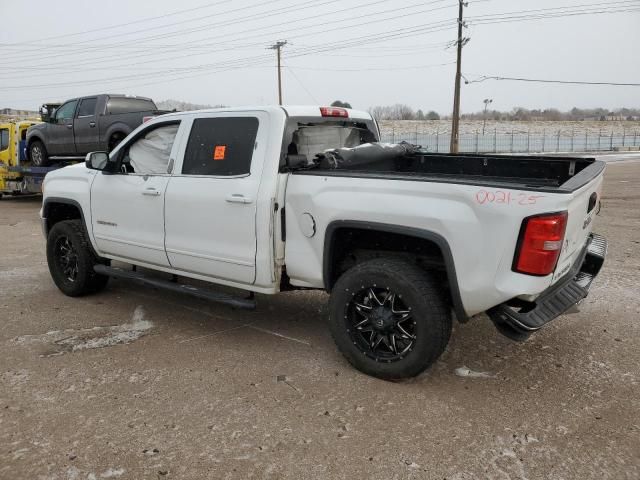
(486, 101)
(455, 122)
(278, 47)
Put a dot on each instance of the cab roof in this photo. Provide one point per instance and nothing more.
(290, 110)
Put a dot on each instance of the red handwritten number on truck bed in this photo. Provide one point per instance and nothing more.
(506, 198)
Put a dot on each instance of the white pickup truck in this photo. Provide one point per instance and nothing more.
(270, 199)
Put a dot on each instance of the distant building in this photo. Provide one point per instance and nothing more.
(12, 112)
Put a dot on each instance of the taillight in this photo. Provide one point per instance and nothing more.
(540, 242)
(334, 112)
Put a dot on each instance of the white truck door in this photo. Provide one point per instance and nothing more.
(211, 199)
(127, 208)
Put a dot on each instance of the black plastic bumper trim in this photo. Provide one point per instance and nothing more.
(558, 298)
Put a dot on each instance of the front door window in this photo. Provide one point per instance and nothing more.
(65, 112)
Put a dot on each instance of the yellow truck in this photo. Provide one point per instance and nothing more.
(17, 176)
(13, 178)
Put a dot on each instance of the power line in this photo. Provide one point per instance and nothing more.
(297, 79)
(164, 35)
(546, 17)
(280, 33)
(477, 17)
(243, 61)
(525, 18)
(177, 74)
(164, 80)
(556, 12)
(404, 32)
(362, 42)
(148, 46)
(125, 66)
(391, 48)
(315, 49)
(111, 27)
(483, 78)
(180, 47)
(564, 7)
(373, 56)
(374, 69)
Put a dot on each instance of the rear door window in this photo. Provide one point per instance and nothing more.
(87, 107)
(310, 137)
(313, 139)
(116, 105)
(220, 146)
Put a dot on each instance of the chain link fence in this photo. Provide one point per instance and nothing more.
(494, 142)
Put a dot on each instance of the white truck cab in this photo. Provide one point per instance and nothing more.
(266, 199)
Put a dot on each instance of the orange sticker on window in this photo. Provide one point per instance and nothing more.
(219, 152)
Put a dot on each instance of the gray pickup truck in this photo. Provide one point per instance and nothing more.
(86, 124)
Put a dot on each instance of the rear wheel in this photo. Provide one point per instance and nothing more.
(71, 260)
(389, 318)
(38, 154)
(114, 141)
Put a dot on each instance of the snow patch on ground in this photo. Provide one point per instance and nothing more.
(112, 473)
(73, 340)
(503, 459)
(467, 372)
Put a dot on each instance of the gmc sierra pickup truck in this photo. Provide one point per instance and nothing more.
(271, 199)
(86, 124)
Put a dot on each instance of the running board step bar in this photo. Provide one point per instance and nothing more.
(235, 302)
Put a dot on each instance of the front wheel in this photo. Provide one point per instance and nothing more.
(71, 260)
(38, 154)
(389, 318)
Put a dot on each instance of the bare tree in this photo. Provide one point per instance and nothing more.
(433, 115)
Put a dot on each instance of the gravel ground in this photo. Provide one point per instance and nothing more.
(136, 383)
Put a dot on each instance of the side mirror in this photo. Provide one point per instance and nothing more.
(97, 160)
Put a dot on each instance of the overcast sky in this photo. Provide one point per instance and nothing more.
(375, 52)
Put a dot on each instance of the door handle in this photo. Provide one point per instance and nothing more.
(151, 192)
(92, 124)
(238, 198)
(70, 126)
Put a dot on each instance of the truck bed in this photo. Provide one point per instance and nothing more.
(539, 173)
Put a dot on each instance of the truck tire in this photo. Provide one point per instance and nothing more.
(71, 260)
(114, 141)
(389, 318)
(38, 154)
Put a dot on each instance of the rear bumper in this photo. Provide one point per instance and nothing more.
(518, 323)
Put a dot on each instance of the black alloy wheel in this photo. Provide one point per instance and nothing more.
(380, 324)
(66, 257)
(390, 318)
(71, 259)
